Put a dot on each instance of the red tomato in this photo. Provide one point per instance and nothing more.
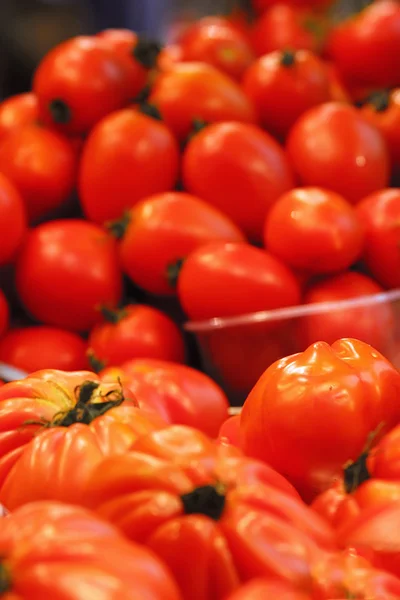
(17, 111)
(335, 396)
(169, 56)
(192, 91)
(79, 82)
(230, 431)
(65, 271)
(161, 231)
(4, 313)
(315, 230)
(34, 348)
(180, 394)
(128, 156)
(262, 5)
(52, 550)
(177, 489)
(239, 169)
(261, 589)
(283, 85)
(226, 280)
(42, 166)
(13, 221)
(333, 146)
(374, 32)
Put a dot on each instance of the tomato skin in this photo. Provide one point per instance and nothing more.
(13, 222)
(195, 90)
(17, 111)
(164, 229)
(169, 56)
(338, 89)
(308, 385)
(355, 160)
(129, 156)
(230, 431)
(372, 324)
(40, 347)
(4, 313)
(315, 230)
(261, 589)
(282, 91)
(221, 164)
(65, 287)
(226, 280)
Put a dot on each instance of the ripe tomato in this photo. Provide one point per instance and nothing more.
(52, 550)
(226, 280)
(42, 166)
(13, 221)
(370, 321)
(34, 348)
(161, 231)
(65, 271)
(239, 169)
(335, 396)
(17, 111)
(4, 313)
(127, 157)
(169, 56)
(195, 90)
(180, 394)
(315, 230)
(374, 32)
(261, 589)
(230, 431)
(334, 146)
(79, 82)
(198, 493)
(283, 85)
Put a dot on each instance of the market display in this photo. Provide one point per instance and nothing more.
(199, 283)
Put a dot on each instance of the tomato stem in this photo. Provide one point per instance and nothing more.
(380, 100)
(146, 52)
(118, 228)
(150, 110)
(60, 111)
(96, 364)
(356, 473)
(5, 579)
(113, 315)
(143, 95)
(173, 271)
(208, 500)
(288, 58)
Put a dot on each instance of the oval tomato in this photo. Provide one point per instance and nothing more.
(261, 589)
(65, 271)
(17, 111)
(161, 231)
(13, 221)
(197, 91)
(354, 161)
(4, 313)
(239, 169)
(128, 156)
(283, 85)
(315, 230)
(40, 347)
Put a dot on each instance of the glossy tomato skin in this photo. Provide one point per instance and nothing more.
(17, 111)
(373, 323)
(4, 313)
(314, 230)
(355, 160)
(380, 215)
(307, 386)
(261, 589)
(40, 347)
(222, 164)
(127, 157)
(13, 222)
(226, 280)
(283, 85)
(374, 33)
(162, 230)
(195, 90)
(65, 271)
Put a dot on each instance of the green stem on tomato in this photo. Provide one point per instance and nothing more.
(208, 500)
(146, 52)
(60, 111)
(173, 271)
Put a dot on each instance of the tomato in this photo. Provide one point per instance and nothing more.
(239, 169)
(315, 230)
(197, 91)
(226, 280)
(161, 231)
(262, 5)
(65, 271)
(169, 56)
(40, 347)
(13, 222)
(180, 394)
(213, 40)
(177, 489)
(17, 111)
(374, 32)
(283, 85)
(380, 215)
(335, 396)
(42, 166)
(4, 313)
(369, 320)
(229, 431)
(261, 589)
(128, 156)
(79, 82)
(334, 146)
(52, 550)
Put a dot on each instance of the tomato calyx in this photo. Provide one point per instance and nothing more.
(146, 52)
(150, 110)
(60, 111)
(173, 271)
(208, 500)
(118, 227)
(379, 100)
(288, 58)
(143, 95)
(96, 364)
(113, 315)
(5, 579)
(357, 472)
